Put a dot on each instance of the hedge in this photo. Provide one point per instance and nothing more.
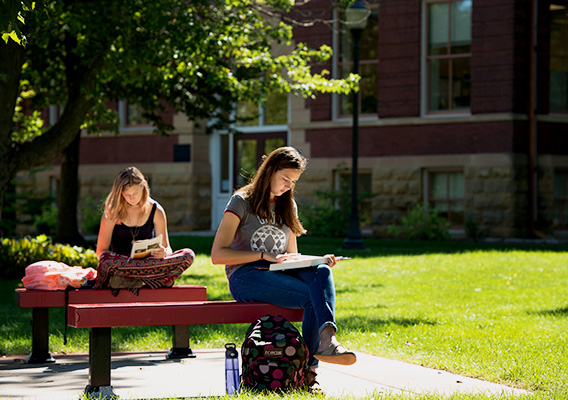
(17, 254)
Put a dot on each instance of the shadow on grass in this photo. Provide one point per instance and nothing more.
(363, 324)
(389, 248)
(380, 247)
(343, 289)
(559, 312)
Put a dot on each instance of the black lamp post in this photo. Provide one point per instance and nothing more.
(356, 16)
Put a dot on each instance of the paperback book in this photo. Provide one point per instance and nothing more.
(142, 248)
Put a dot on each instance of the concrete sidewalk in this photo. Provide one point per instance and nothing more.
(151, 376)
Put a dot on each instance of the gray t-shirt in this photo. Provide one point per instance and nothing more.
(254, 233)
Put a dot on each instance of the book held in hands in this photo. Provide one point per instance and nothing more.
(300, 261)
(142, 248)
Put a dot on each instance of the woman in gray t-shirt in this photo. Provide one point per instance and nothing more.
(260, 226)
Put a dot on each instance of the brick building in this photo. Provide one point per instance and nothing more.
(463, 108)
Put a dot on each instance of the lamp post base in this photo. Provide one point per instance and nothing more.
(354, 241)
(353, 244)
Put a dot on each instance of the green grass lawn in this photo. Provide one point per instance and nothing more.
(493, 311)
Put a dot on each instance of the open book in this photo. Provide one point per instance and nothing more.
(142, 248)
(300, 262)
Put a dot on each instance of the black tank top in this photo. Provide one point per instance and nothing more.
(123, 235)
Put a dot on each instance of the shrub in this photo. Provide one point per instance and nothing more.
(17, 254)
(421, 225)
(330, 215)
(45, 223)
(322, 218)
(91, 212)
(473, 229)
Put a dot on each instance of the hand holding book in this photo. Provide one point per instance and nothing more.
(297, 260)
(143, 248)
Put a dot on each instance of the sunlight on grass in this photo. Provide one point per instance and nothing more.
(483, 313)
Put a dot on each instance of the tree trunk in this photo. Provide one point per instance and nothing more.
(67, 224)
(9, 218)
(11, 61)
(15, 156)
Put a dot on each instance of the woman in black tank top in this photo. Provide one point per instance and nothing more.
(130, 214)
(124, 235)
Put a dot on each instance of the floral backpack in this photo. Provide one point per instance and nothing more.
(274, 356)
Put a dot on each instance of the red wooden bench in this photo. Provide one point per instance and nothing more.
(41, 300)
(100, 318)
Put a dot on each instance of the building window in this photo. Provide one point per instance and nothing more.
(182, 153)
(134, 115)
(561, 200)
(273, 111)
(53, 190)
(225, 183)
(559, 56)
(446, 195)
(249, 149)
(448, 55)
(131, 115)
(368, 65)
(55, 112)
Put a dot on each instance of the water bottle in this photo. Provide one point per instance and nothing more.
(231, 369)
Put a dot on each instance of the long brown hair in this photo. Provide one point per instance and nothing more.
(258, 190)
(115, 205)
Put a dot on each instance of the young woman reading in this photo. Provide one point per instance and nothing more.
(130, 214)
(260, 226)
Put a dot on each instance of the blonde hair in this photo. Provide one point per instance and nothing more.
(258, 190)
(116, 206)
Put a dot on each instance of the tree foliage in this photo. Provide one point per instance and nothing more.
(199, 58)
(12, 17)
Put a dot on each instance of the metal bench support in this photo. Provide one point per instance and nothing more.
(99, 386)
(40, 337)
(180, 343)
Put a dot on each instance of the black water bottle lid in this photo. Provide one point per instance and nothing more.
(231, 350)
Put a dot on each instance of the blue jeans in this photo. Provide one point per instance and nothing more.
(309, 288)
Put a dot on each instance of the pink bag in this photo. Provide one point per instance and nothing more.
(53, 275)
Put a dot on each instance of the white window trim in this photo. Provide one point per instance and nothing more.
(53, 117)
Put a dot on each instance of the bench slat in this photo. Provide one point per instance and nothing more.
(169, 313)
(29, 298)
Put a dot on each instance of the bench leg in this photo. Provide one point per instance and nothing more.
(180, 343)
(100, 364)
(40, 337)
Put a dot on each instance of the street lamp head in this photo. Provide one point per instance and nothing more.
(356, 15)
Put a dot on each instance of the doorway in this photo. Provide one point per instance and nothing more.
(234, 160)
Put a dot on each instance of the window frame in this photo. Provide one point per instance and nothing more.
(426, 58)
(124, 124)
(429, 200)
(261, 120)
(260, 139)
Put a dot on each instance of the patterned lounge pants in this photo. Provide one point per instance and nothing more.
(122, 271)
